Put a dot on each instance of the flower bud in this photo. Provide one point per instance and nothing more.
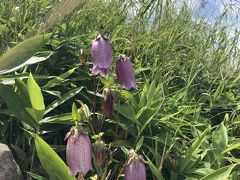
(79, 153)
(99, 152)
(135, 168)
(108, 102)
(101, 55)
(125, 73)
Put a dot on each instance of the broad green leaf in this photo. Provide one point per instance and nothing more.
(23, 89)
(220, 174)
(35, 94)
(65, 97)
(21, 53)
(220, 138)
(127, 111)
(191, 152)
(128, 96)
(36, 99)
(32, 60)
(17, 106)
(51, 162)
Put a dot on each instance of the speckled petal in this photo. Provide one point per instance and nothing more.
(101, 56)
(79, 154)
(135, 171)
(102, 71)
(125, 74)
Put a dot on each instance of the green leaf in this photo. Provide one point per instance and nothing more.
(139, 143)
(54, 93)
(36, 177)
(192, 150)
(154, 170)
(65, 97)
(128, 96)
(51, 162)
(151, 90)
(220, 174)
(57, 80)
(23, 89)
(202, 171)
(220, 138)
(75, 114)
(17, 106)
(150, 115)
(32, 60)
(19, 54)
(143, 97)
(59, 119)
(35, 94)
(127, 111)
(234, 146)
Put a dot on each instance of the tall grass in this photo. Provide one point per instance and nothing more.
(186, 110)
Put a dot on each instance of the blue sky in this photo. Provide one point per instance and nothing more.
(211, 9)
(214, 8)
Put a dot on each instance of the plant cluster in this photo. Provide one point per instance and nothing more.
(171, 114)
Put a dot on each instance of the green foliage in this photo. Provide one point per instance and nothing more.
(13, 59)
(51, 162)
(183, 118)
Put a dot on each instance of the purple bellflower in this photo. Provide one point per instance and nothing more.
(108, 102)
(125, 73)
(101, 55)
(78, 153)
(135, 168)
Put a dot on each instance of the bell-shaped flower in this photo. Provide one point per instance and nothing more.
(108, 102)
(135, 168)
(79, 153)
(101, 56)
(125, 73)
(99, 152)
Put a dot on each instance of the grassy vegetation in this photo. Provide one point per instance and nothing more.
(184, 117)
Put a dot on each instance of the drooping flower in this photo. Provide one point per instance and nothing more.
(125, 73)
(108, 102)
(135, 168)
(101, 55)
(99, 152)
(79, 153)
